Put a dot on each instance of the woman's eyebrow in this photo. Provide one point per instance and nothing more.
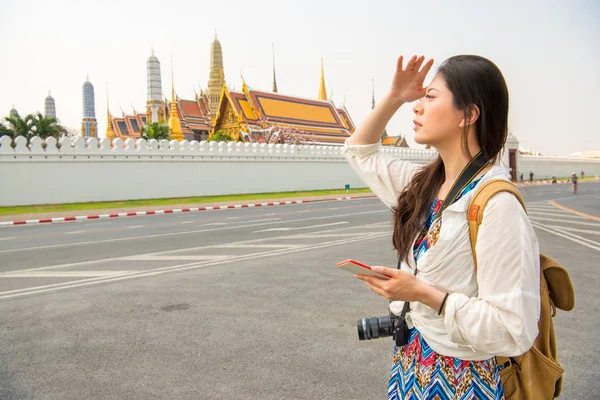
(431, 88)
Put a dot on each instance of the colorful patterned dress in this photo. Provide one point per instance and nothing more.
(419, 373)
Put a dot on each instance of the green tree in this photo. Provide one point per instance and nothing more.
(220, 136)
(46, 127)
(20, 126)
(5, 131)
(155, 131)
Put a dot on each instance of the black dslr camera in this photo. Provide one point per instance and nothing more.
(377, 327)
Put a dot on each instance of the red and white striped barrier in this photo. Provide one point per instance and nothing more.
(173, 211)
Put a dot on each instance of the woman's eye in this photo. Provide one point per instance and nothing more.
(427, 96)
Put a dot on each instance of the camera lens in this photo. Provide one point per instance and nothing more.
(374, 327)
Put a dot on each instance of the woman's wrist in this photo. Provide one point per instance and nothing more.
(395, 101)
(430, 296)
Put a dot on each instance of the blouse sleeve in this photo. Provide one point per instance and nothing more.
(385, 175)
(503, 318)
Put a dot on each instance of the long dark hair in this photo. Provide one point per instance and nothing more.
(472, 80)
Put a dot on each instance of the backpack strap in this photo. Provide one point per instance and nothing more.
(475, 217)
(479, 201)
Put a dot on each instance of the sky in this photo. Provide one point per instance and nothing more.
(548, 51)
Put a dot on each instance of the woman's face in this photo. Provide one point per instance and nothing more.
(437, 121)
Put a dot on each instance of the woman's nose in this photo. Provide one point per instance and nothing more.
(417, 108)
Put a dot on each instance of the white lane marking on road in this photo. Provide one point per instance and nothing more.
(325, 235)
(176, 268)
(232, 217)
(262, 220)
(120, 239)
(576, 230)
(565, 235)
(544, 210)
(254, 245)
(173, 258)
(301, 227)
(268, 215)
(63, 274)
(74, 232)
(580, 238)
(9, 238)
(187, 222)
(557, 213)
(568, 221)
(135, 226)
(195, 248)
(560, 198)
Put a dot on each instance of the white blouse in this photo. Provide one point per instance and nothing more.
(493, 312)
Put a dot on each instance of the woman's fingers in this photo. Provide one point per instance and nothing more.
(418, 63)
(377, 290)
(399, 64)
(426, 68)
(411, 63)
(371, 280)
(375, 284)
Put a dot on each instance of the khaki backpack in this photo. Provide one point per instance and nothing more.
(536, 374)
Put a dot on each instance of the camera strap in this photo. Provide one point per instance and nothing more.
(469, 172)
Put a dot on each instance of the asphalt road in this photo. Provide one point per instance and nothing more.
(239, 304)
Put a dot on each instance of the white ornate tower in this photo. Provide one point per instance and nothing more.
(154, 104)
(49, 107)
(89, 125)
(217, 77)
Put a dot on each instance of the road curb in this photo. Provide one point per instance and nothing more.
(172, 211)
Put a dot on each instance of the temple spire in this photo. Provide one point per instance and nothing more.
(49, 106)
(217, 78)
(174, 122)
(89, 125)
(110, 133)
(322, 90)
(373, 100)
(274, 79)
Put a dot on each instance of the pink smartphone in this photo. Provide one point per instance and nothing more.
(356, 267)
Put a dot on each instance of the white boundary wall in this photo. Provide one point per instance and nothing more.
(544, 167)
(92, 170)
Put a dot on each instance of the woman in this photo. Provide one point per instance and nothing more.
(459, 319)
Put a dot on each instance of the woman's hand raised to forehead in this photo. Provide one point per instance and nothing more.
(407, 84)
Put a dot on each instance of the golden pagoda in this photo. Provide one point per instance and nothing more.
(217, 77)
(110, 133)
(174, 121)
(322, 90)
(274, 79)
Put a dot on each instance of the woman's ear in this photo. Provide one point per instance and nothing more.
(471, 115)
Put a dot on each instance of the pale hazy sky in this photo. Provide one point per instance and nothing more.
(549, 53)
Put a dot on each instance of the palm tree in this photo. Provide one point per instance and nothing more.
(5, 131)
(155, 131)
(45, 127)
(20, 126)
